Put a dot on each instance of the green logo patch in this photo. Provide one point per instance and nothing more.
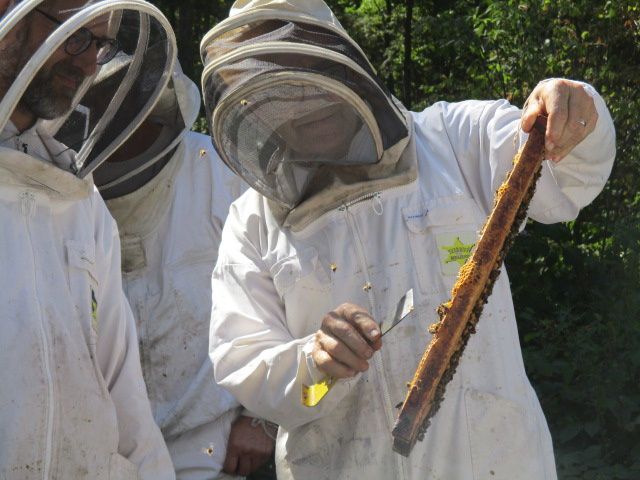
(458, 252)
(455, 248)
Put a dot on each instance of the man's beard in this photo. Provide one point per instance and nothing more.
(41, 97)
(10, 53)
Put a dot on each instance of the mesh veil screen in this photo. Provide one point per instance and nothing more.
(271, 83)
(232, 76)
(305, 34)
(122, 90)
(276, 137)
(286, 31)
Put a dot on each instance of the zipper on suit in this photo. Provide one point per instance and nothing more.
(376, 359)
(377, 207)
(28, 209)
(140, 316)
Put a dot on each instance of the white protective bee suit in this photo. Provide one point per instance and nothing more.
(73, 403)
(281, 268)
(170, 227)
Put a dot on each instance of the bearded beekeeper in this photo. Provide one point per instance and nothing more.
(169, 194)
(73, 400)
(355, 201)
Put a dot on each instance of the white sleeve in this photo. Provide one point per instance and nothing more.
(486, 135)
(118, 357)
(255, 355)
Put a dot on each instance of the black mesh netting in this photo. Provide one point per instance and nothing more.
(284, 31)
(233, 76)
(91, 121)
(261, 75)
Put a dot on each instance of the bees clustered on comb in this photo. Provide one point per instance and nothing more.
(459, 316)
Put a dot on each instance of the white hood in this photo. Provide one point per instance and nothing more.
(134, 28)
(314, 12)
(176, 110)
(287, 51)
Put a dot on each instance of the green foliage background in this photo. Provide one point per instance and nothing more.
(576, 286)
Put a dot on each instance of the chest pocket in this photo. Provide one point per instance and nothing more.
(83, 285)
(301, 270)
(442, 235)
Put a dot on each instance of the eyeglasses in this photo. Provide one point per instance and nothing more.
(82, 39)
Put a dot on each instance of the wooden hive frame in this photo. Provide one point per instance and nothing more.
(459, 316)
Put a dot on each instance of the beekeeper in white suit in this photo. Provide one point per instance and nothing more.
(355, 201)
(170, 194)
(73, 403)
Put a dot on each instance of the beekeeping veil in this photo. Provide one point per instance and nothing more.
(294, 105)
(146, 152)
(56, 54)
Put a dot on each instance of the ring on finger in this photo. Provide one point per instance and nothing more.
(582, 122)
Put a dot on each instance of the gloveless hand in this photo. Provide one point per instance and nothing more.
(346, 340)
(571, 114)
(249, 447)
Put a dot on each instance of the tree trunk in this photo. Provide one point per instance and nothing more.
(387, 45)
(407, 66)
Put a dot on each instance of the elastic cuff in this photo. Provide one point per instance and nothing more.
(314, 372)
(270, 428)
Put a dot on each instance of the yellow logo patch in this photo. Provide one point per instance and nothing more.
(458, 251)
(455, 248)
